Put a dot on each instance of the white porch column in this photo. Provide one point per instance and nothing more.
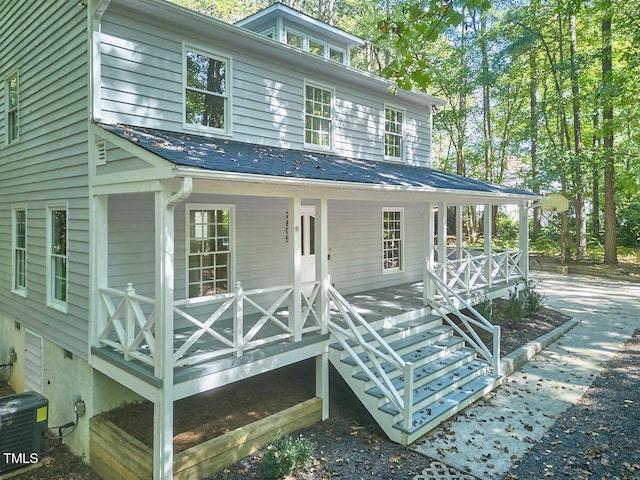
(459, 243)
(100, 265)
(322, 262)
(163, 367)
(523, 239)
(295, 254)
(427, 285)
(322, 300)
(488, 268)
(442, 239)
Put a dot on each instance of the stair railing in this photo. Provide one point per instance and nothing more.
(378, 352)
(449, 303)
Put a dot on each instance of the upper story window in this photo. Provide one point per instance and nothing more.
(57, 257)
(19, 241)
(393, 133)
(206, 92)
(11, 111)
(313, 45)
(392, 240)
(318, 116)
(209, 249)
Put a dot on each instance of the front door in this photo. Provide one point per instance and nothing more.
(308, 242)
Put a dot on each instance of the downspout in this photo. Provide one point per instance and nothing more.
(95, 12)
(163, 364)
(182, 194)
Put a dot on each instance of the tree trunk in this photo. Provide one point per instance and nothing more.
(595, 171)
(533, 125)
(578, 181)
(610, 238)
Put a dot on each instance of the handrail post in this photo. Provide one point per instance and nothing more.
(496, 350)
(238, 320)
(129, 321)
(408, 396)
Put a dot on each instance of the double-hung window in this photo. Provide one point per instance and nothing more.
(206, 92)
(57, 283)
(318, 117)
(209, 249)
(19, 244)
(393, 133)
(11, 107)
(392, 240)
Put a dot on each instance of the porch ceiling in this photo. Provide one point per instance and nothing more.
(224, 156)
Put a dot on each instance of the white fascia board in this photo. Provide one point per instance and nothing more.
(463, 197)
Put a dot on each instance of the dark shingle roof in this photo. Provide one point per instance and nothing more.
(223, 155)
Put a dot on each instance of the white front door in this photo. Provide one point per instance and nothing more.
(308, 242)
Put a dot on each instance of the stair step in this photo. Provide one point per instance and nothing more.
(435, 390)
(406, 331)
(451, 403)
(420, 356)
(429, 371)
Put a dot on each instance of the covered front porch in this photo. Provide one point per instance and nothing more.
(202, 278)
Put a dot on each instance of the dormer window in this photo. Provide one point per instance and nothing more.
(310, 44)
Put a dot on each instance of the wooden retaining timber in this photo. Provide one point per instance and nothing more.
(115, 454)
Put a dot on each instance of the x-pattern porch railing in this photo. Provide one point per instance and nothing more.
(380, 361)
(475, 271)
(467, 324)
(231, 324)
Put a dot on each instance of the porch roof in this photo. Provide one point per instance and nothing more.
(229, 156)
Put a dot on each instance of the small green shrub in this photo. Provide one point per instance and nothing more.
(533, 301)
(513, 309)
(286, 455)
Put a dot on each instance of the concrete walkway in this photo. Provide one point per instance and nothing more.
(485, 439)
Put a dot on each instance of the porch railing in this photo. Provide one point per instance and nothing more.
(220, 325)
(350, 330)
(449, 302)
(472, 272)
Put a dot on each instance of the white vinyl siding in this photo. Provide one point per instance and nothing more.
(47, 44)
(356, 246)
(19, 247)
(142, 85)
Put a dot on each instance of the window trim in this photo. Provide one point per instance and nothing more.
(391, 158)
(52, 301)
(314, 146)
(232, 246)
(15, 288)
(228, 96)
(306, 38)
(9, 138)
(400, 268)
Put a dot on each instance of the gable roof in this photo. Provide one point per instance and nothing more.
(229, 156)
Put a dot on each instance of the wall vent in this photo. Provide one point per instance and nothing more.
(101, 152)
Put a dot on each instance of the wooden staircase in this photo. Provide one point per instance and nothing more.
(447, 375)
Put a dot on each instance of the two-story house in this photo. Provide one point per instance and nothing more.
(186, 203)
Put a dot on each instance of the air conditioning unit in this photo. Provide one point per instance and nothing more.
(23, 423)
